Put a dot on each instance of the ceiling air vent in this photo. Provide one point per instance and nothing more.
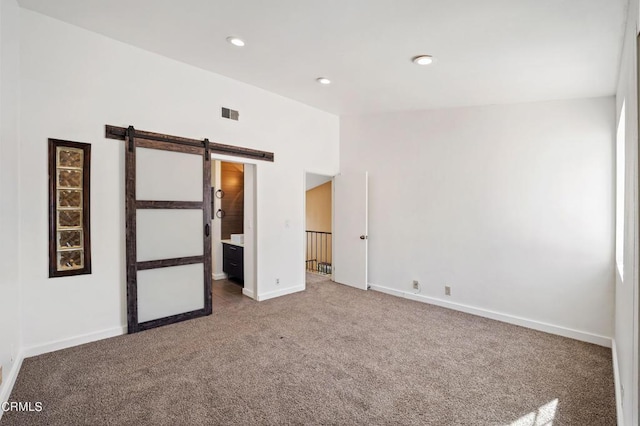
(230, 114)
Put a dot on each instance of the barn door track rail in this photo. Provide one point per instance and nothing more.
(120, 133)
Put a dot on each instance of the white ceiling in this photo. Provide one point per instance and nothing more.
(313, 180)
(487, 52)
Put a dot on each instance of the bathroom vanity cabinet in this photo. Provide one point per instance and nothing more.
(233, 260)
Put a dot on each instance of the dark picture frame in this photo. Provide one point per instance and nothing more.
(69, 208)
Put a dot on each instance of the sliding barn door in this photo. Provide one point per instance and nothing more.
(168, 210)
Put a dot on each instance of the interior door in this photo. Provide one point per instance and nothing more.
(168, 211)
(350, 239)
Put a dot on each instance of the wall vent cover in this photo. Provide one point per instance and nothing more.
(230, 114)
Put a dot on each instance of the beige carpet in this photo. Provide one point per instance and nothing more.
(329, 355)
(313, 278)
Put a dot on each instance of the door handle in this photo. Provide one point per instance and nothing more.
(363, 237)
(207, 230)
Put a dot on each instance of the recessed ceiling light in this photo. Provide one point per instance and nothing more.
(423, 60)
(235, 41)
(323, 80)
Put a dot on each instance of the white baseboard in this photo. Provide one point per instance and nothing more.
(278, 293)
(499, 316)
(10, 380)
(220, 276)
(73, 341)
(247, 292)
(617, 383)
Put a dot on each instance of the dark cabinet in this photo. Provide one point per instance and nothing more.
(233, 261)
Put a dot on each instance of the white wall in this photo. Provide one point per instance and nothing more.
(73, 83)
(510, 205)
(9, 194)
(626, 291)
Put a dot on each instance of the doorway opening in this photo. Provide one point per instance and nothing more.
(318, 250)
(233, 230)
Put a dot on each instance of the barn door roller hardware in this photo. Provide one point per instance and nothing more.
(131, 134)
(205, 142)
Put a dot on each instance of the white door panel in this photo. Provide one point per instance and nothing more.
(167, 234)
(169, 291)
(168, 175)
(351, 229)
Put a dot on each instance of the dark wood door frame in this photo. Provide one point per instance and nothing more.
(134, 140)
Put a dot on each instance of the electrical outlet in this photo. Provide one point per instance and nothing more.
(277, 281)
(447, 290)
(416, 285)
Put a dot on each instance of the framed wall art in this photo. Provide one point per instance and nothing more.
(69, 208)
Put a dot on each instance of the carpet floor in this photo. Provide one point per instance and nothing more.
(313, 278)
(328, 355)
